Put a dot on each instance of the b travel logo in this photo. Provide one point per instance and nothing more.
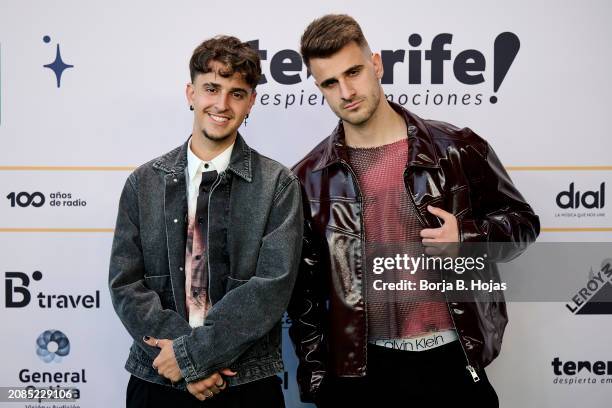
(23, 290)
(595, 296)
(581, 201)
(577, 372)
(429, 63)
(50, 383)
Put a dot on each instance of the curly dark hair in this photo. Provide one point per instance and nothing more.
(235, 55)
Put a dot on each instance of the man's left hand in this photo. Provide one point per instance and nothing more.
(165, 363)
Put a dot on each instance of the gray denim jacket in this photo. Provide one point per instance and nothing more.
(255, 234)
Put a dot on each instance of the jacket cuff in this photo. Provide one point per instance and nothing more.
(310, 391)
(188, 370)
(469, 231)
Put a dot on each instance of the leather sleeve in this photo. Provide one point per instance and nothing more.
(307, 311)
(501, 216)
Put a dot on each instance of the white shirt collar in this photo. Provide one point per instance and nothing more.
(219, 162)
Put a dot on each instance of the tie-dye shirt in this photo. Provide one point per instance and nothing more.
(197, 300)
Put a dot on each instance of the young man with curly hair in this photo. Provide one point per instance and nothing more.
(206, 249)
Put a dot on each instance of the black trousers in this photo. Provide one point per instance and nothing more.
(262, 393)
(432, 378)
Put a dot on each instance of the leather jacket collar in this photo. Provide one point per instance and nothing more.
(421, 153)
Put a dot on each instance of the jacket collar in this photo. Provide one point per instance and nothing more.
(240, 161)
(421, 152)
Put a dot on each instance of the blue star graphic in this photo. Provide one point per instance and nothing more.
(58, 66)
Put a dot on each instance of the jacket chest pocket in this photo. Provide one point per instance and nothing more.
(163, 287)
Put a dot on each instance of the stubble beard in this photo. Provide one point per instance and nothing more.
(217, 139)
(365, 116)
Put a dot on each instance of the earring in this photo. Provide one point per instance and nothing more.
(190, 107)
(245, 119)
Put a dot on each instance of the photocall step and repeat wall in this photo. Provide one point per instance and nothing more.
(90, 90)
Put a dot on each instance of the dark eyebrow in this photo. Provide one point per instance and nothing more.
(211, 84)
(218, 86)
(330, 81)
(357, 67)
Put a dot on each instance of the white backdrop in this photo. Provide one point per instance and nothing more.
(122, 103)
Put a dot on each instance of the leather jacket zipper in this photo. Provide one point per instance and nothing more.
(469, 367)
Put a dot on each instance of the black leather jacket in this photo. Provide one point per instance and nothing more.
(447, 167)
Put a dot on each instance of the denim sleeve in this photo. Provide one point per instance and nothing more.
(138, 307)
(250, 311)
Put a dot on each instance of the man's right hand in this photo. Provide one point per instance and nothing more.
(210, 386)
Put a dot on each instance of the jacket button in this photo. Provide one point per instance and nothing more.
(175, 220)
(176, 180)
(181, 268)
